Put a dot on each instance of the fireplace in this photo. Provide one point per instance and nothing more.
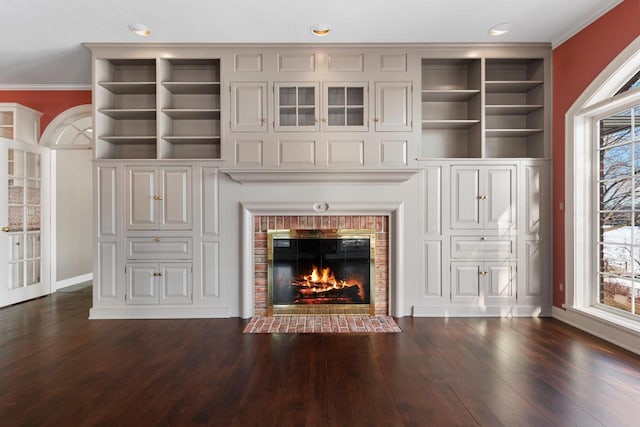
(321, 271)
(264, 227)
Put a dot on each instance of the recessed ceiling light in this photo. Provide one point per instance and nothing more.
(140, 30)
(500, 29)
(320, 30)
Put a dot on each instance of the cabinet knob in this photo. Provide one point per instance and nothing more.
(157, 239)
(157, 197)
(5, 229)
(263, 120)
(324, 120)
(157, 274)
(483, 273)
(482, 197)
(377, 120)
(483, 238)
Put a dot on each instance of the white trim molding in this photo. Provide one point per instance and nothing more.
(60, 284)
(580, 191)
(585, 23)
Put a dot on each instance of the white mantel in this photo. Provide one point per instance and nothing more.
(307, 176)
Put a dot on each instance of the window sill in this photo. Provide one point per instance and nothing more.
(609, 319)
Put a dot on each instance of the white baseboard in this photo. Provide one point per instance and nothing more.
(74, 280)
(599, 327)
(158, 312)
(475, 311)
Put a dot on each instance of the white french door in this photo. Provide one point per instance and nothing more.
(24, 218)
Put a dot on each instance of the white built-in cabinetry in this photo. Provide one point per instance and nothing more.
(471, 122)
(19, 123)
(487, 235)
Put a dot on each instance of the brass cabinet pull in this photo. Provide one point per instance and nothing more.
(5, 229)
(157, 274)
(324, 120)
(483, 238)
(377, 120)
(157, 239)
(157, 197)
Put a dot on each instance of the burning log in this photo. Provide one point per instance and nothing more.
(324, 288)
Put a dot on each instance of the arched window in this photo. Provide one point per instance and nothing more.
(71, 129)
(603, 200)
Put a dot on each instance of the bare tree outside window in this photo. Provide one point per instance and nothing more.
(619, 211)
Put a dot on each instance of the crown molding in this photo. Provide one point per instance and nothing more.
(14, 87)
(588, 21)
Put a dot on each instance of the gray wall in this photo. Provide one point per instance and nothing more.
(74, 221)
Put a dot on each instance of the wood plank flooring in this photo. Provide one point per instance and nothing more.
(58, 368)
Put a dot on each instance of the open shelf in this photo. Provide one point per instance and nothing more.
(449, 95)
(192, 113)
(448, 124)
(192, 88)
(205, 139)
(510, 110)
(129, 113)
(129, 87)
(129, 139)
(506, 86)
(511, 132)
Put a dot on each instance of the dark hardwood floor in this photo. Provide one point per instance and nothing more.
(58, 368)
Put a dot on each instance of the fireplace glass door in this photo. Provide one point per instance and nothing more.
(331, 270)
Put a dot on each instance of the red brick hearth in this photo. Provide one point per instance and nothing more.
(379, 223)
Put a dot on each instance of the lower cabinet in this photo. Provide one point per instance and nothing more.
(478, 282)
(159, 283)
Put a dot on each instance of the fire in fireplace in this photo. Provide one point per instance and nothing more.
(329, 268)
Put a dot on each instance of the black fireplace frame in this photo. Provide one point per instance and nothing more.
(281, 309)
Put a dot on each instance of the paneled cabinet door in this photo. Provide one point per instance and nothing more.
(159, 283)
(176, 198)
(142, 196)
(393, 107)
(141, 284)
(159, 198)
(296, 106)
(249, 107)
(500, 281)
(483, 282)
(175, 283)
(483, 197)
(345, 107)
(466, 281)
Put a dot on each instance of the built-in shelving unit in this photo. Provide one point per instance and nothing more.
(514, 108)
(190, 107)
(451, 108)
(483, 108)
(158, 108)
(126, 108)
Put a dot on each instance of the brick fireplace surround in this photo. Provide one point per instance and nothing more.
(262, 224)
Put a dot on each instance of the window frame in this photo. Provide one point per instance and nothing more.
(581, 201)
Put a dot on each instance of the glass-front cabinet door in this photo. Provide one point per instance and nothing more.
(21, 214)
(296, 106)
(345, 107)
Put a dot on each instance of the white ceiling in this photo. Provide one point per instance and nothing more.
(41, 40)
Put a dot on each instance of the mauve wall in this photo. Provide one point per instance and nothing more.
(576, 63)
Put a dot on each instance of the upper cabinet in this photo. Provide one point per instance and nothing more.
(393, 107)
(248, 106)
(157, 108)
(345, 107)
(266, 106)
(297, 106)
(19, 123)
